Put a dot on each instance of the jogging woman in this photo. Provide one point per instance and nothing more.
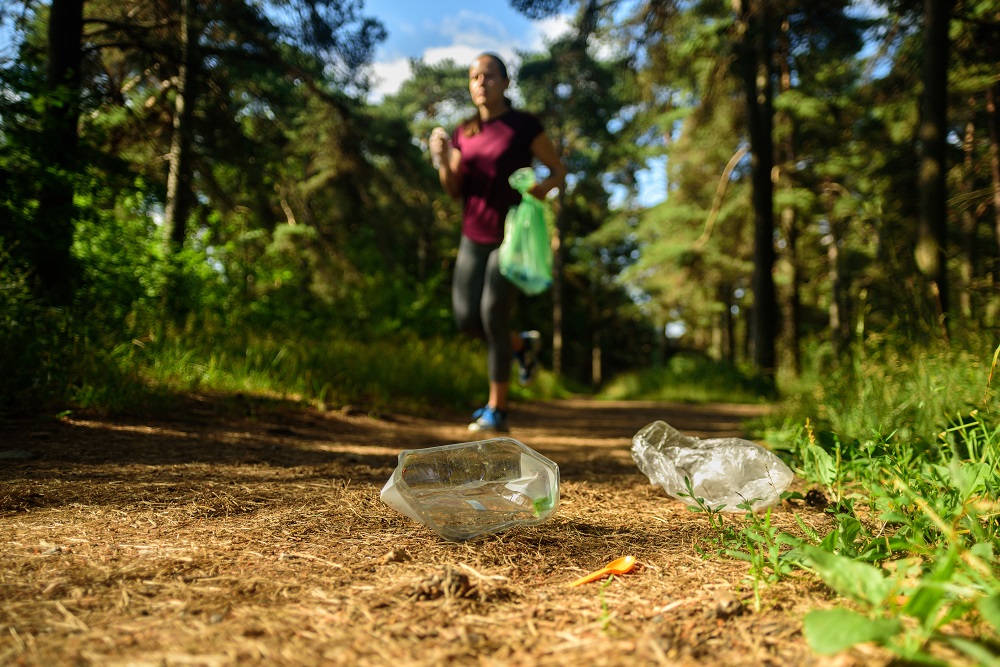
(474, 165)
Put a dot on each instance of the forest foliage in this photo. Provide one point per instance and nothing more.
(177, 168)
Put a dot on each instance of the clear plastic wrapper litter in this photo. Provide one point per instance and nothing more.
(724, 472)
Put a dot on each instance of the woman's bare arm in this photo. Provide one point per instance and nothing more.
(545, 152)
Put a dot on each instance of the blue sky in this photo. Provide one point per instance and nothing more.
(438, 29)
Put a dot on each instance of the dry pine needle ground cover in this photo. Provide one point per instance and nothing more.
(256, 536)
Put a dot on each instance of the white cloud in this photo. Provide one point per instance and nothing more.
(461, 54)
(549, 29)
(474, 29)
(388, 76)
(461, 38)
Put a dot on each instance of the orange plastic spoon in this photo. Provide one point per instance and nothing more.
(617, 566)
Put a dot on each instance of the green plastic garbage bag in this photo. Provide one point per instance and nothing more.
(526, 252)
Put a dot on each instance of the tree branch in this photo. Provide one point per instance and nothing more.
(719, 192)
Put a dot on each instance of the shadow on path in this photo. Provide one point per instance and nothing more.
(589, 439)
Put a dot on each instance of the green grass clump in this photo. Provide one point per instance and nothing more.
(400, 373)
(691, 378)
(901, 391)
(908, 455)
(915, 543)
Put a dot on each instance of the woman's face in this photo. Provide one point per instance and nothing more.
(486, 84)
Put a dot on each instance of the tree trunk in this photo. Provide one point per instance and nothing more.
(932, 240)
(836, 317)
(51, 253)
(729, 327)
(839, 308)
(558, 264)
(789, 217)
(596, 357)
(755, 57)
(727, 346)
(793, 312)
(992, 113)
(967, 256)
(179, 191)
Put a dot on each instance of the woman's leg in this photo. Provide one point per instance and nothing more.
(497, 303)
(467, 286)
(481, 301)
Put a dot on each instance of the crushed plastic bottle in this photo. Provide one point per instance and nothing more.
(724, 472)
(469, 489)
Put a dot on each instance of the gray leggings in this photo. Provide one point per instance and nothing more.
(482, 300)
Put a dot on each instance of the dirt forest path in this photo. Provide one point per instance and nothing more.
(252, 533)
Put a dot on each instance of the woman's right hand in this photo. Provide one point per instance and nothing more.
(440, 147)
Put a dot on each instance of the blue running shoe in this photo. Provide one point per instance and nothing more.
(489, 419)
(527, 358)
